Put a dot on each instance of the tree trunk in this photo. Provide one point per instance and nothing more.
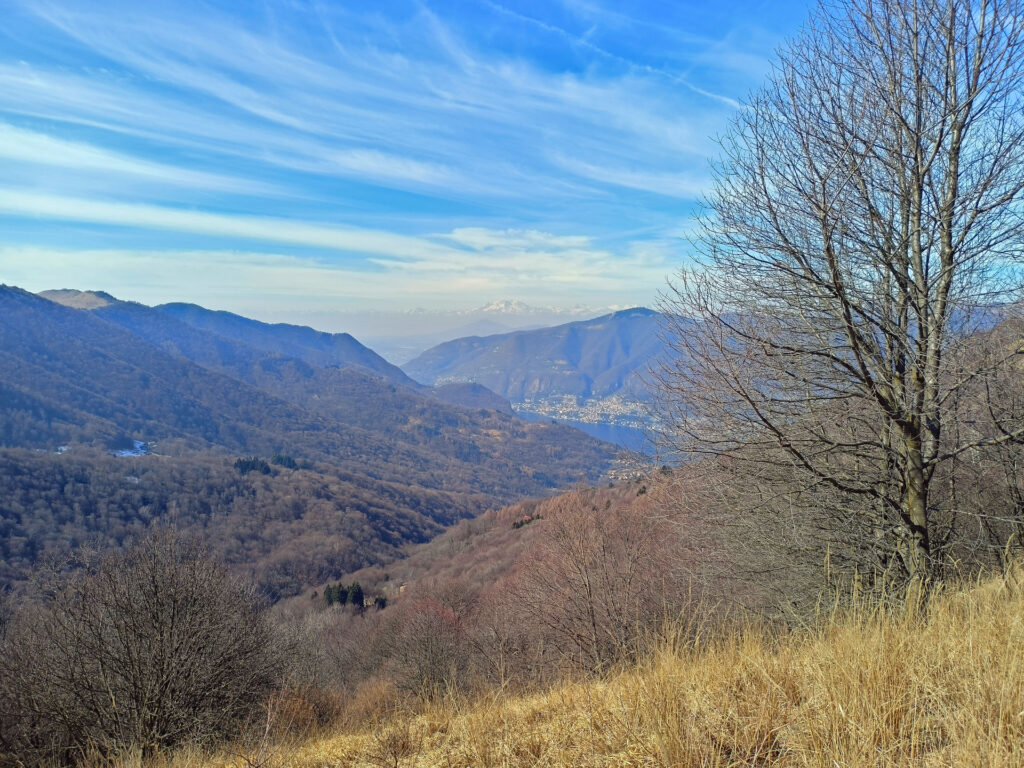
(915, 512)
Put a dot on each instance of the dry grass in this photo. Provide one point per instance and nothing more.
(860, 689)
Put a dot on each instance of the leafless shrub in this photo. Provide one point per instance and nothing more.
(426, 649)
(392, 744)
(141, 650)
(599, 576)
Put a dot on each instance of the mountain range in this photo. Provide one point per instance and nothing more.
(86, 374)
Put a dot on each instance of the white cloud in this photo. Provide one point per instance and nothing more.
(41, 149)
(538, 259)
(437, 115)
(371, 163)
(480, 238)
(515, 171)
(686, 186)
(488, 258)
(19, 203)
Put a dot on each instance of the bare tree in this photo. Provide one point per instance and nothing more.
(597, 579)
(427, 650)
(865, 219)
(140, 650)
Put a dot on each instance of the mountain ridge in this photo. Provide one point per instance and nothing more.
(587, 371)
(297, 341)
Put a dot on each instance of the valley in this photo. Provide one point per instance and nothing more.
(137, 414)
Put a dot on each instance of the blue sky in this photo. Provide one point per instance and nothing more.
(292, 158)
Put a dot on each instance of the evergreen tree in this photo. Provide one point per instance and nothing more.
(355, 595)
(283, 460)
(252, 464)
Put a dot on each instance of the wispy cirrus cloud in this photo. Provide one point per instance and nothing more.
(481, 238)
(420, 137)
(218, 225)
(31, 147)
(408, 118)
(683, 185)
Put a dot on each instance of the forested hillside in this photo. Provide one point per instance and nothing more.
(314, 347)
(230, 543)
(586, 359)
(284, 529)
(79, 384)
(593, 374)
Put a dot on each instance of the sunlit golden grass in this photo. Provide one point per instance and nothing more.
(861, 688)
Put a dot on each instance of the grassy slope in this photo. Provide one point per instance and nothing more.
(859, 690)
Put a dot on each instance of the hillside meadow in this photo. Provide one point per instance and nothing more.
(858, 687)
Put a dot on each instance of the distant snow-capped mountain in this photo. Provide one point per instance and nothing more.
(510, 308)
(521, 308)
